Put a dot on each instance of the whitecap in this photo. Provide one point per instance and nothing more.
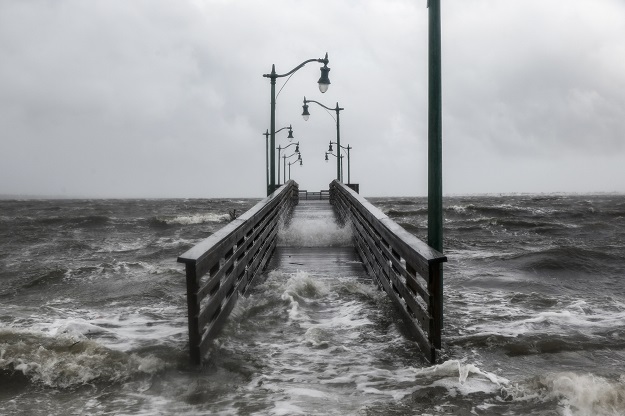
(196, 219)
(577, 394)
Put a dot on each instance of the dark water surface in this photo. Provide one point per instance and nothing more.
(93, 314)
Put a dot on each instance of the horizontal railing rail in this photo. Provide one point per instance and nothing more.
(306, 195)
(222, 267)
(408, 270)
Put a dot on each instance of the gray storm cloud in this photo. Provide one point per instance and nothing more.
(156, 99)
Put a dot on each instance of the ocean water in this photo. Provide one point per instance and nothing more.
(92, 314)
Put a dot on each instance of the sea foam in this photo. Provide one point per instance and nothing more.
(314, 232)
(62, 362)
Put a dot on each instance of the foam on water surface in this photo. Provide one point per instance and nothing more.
(199, 218)
(63, 362)
(314, 231)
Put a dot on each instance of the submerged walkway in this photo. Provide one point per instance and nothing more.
(314, 249)
(323, 252)
(315, 336)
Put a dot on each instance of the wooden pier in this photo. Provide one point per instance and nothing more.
(222, 267)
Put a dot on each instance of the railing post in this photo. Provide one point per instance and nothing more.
(409, 270)
(435, 287)
(229, 259)
(193, 311)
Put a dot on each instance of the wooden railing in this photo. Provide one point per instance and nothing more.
(408, 270)
(222, 267)
(323, 194)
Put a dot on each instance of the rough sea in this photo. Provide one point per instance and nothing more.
(93, 315)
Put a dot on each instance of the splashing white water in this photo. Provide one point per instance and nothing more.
(196, 219)
(62, 362)
(586, 394)
(314, 232)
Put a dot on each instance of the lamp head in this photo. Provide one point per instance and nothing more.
(326, 157)
(290, 136)
(329, 148)
(301, 162)
(324, 80)
(297, 149)
(305, 113)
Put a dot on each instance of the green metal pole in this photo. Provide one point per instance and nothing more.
(435, 130)
(279, 151)
(349, 180)
(341, 168)
(272, 182)
(338, 144)
(267, 158)
(435, 165)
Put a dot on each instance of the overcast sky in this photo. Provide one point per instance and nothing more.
(154, 98)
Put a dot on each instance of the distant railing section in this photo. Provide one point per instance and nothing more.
(222, 267)
(323, 194)
(406, 268)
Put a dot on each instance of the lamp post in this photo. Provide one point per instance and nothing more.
(266, 134)
(339, 160)
(337, 109)
(324, 83)
(341, 168)
(285, 158)
(301, 162)
(348, 148)
(435, 128)
(280, 149)
(435, 151)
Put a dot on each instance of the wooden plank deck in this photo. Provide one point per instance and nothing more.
(317, 261)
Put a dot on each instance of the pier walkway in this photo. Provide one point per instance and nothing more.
(225, 265)
(315, 260)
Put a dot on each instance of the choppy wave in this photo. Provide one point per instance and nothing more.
(520, 324)
(84, 221)
(561, 258)
(575, 394)
(63, 362)
(199, 218)
(93, 299)
(394, 213)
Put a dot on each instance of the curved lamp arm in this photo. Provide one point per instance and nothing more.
(324, 80)
(299, 155)
(348, 148)
(306, 114)
(330, 153)
(290, 136)
(296, 144)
